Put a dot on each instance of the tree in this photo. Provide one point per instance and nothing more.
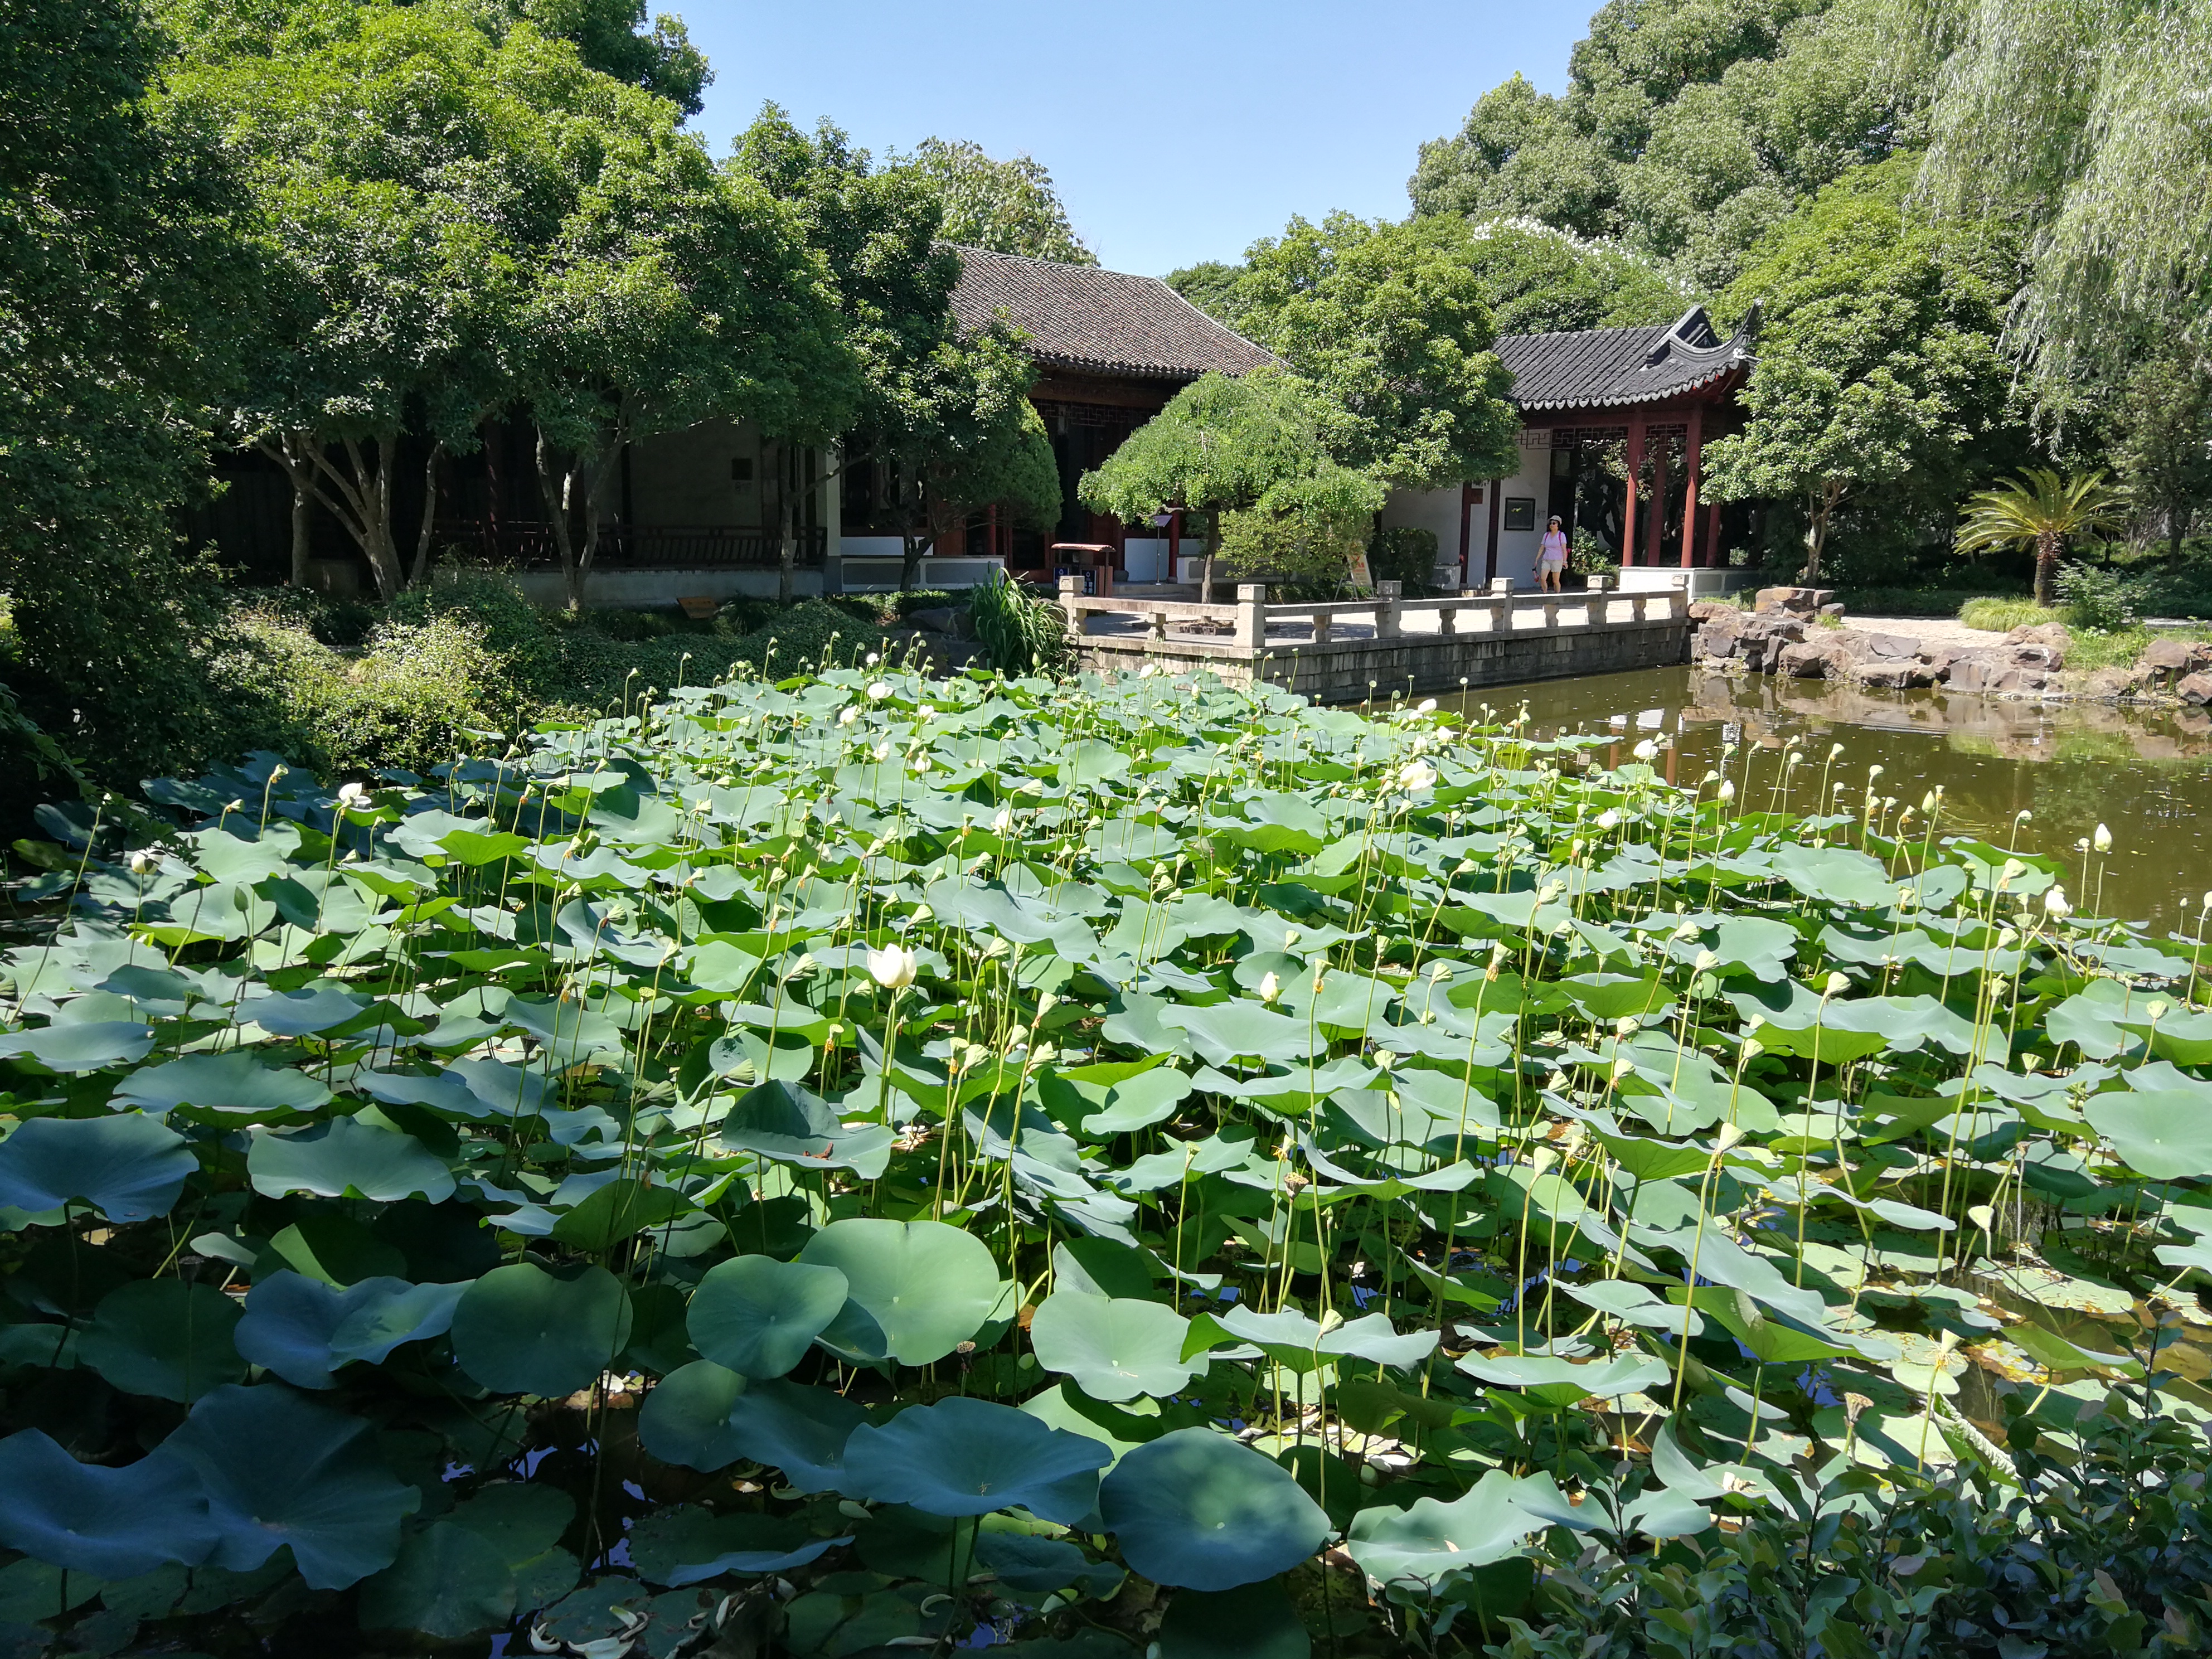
(2165, 448)
(1689, 128)
(1008, 207)
(944, 420)
(2040, 511)
(610, 36)
(1878, 366)
(121, 281)
(1387, 323)
(1222, 446)
(2083, 122)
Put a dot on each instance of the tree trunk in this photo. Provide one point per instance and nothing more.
(302, 511)
(358, 494)
(1816, 543)
(429, 516)
(553, 488)
(787, 546)
(2046, 569)
(1205, 563)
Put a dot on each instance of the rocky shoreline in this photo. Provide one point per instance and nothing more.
(1799, 633)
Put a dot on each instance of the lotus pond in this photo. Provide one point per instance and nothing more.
(868, 1164)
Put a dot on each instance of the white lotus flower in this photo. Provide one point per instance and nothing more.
(1270, 987)
(1728, 789)
(1706, 961)
(1417, 775)
(1646, 750)
(1608, 819)
(2102, 840)
(141, 862)
(2055, 905)
(874, 657)
(1426, 706)
(851, 713)
(879, 690)
(893, 967)
(352, 796)
(1838, 984)
(882, 751)
(1004, 822)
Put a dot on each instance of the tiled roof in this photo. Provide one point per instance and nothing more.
(1106, 321)
(1608, 367)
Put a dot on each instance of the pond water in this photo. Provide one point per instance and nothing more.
(2147, 776)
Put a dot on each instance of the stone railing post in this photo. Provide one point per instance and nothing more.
(1386, 595)
(1251, 615)
(1551, 614)
(1070, 590)
(1501, 604)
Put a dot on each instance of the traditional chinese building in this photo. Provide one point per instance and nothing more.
(1597, 404)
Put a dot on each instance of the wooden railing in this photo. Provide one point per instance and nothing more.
(1249, 623)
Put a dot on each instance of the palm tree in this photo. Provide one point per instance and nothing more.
(2040, 510)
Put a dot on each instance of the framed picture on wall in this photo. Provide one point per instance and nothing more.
(1520, 512)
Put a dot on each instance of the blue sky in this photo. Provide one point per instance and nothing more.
(1175, 131)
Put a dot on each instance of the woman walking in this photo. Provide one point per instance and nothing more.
(1552, 558)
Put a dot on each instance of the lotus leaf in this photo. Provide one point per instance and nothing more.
(170, 1338)
(964, 1456)
(278, 1471)
(128, 1167)
(303, 1329)
(229, 1082)
(110, 1523)
(2163, 1133)
(917, 1289)
(73, 1046)
(689, 1545)
(344, 1158)
(1194, 1508)
(522, 1329)
(758, 1316)
(1115, 1348)
(780, 1120)
(448, 1583)
(1253, 1621)
(686, 1419)
(302, 1013)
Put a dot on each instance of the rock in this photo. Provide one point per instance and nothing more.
(1799, 601)
(2019, 682)
(948, 619)
(1889, 674)
(1812, 660)
(1706, 610)
(1899, 647)
(2168, 658)
(1968, 669)
(2110, 685)
(2195, 690)
(2051, 634)
(2036, 656)
(1836, 610)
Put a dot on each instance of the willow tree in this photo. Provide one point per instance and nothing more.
(2083, 121)
(1223, 445)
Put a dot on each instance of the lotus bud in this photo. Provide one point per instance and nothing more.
(893, 967)
(2102, 841)
(1838, 984)
(1608, 819)
(141, 862)
(1706, 961)
(1426, 706)
(2207, 904)
(1622, 1068)
(1417, 775)
(882, 751)
(1270, 987)
(1004, 821)
(850, 713)
(1709, 777)
(1627, 1025)
(1728, 789)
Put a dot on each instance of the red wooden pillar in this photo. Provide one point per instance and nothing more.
(1175, 540)
(1490, 553)
(1693, 455)
(1713, 535)
(1656, 520)
(1467, 493)
(1634, 489)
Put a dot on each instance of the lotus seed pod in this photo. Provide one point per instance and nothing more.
(1838, 984)
(1728, 1135)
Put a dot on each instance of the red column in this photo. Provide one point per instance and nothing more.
(1467, 492)
(1634, 489)
(1692, 460)
(1490, 553)
(1713, 534)
(1656, 520)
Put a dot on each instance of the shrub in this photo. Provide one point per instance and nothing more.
(1403, 553)
(2098, 597)
(1589, 556)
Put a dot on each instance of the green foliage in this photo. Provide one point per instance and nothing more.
(2098, 597)
(1387, 323)
(1537, 279)
(1402, 553)
(1878, 370)
(1688, 131)
(121, 278)
(2165, 447)
(1019, 632)
(2077, 122)
(2040, 510)
(1006, 207)
(633, 1068)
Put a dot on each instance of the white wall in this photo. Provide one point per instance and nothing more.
(1435, 511)
(1438, 510)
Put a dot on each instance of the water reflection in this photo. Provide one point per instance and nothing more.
(2071, 765)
